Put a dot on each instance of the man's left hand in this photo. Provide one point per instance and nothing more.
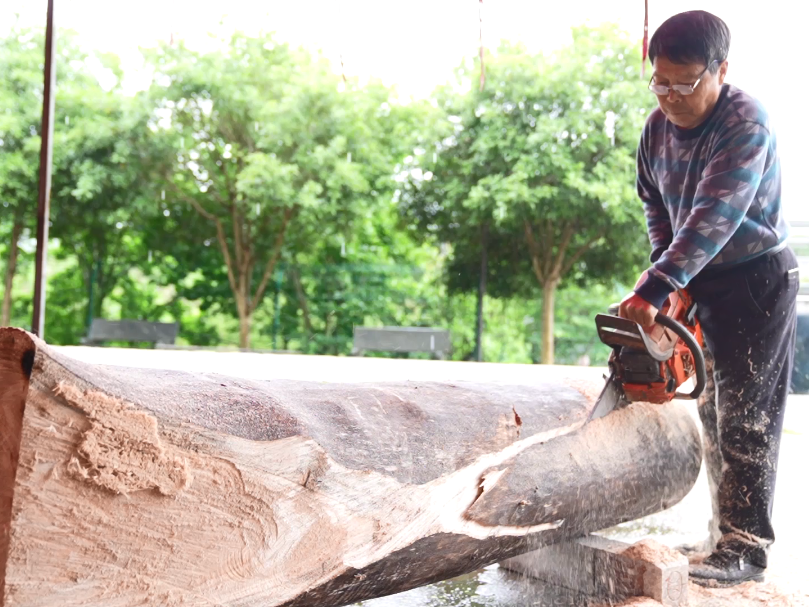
(635, 308)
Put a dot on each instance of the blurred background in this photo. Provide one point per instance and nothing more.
(275, 175)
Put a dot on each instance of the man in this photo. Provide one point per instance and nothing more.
(709, 179)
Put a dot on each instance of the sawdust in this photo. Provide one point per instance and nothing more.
(591, 390)
(654, 552)
(749, 594)
(638, 601)
(121, 451)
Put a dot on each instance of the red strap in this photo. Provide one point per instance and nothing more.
(645, 39)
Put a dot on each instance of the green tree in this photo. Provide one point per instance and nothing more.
(434, 205)
(270, 152)
(21, 90)
(21, 55)
(101, 200)
(545, 153)
(375, 276)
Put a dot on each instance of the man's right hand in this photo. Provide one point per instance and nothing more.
(635, 308)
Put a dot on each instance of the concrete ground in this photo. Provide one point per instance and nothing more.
(491, 587)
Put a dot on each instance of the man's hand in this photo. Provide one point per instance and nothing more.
(636, 309)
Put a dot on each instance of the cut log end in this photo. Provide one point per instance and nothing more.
(17, 352)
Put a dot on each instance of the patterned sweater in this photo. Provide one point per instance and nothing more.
(711, 195)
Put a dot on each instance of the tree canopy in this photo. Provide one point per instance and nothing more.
(544, 157)
(270, 151)
(262, 200)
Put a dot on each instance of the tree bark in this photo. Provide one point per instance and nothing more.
(11, 270)
(245, 322)
(548, 296)
(549, 268)
(123, 486)
(484, 270)
(97, 289)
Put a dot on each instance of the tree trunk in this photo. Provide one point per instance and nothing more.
(93, 292)
(548, 294)
(302, 302)
(484, 270)
(245, 315)
(11, 270)
(162, 487)
(244, 329)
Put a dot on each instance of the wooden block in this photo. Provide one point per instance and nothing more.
(609, 569)
(665, 572)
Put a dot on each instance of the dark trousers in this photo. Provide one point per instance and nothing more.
(748, 319)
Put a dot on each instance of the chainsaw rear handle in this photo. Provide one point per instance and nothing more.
(696, 352)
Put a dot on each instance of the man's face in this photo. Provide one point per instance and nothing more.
(688, 111)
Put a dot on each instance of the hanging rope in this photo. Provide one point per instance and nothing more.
(342, 29)
(482, 70)
(645, 39)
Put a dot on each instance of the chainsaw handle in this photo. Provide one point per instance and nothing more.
(696, 352)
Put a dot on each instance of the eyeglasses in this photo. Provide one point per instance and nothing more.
(683, 89)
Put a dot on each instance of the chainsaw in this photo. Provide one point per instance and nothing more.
(651, 364)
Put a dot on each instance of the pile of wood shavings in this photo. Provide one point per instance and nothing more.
(749, 594)
(638, 601)
(652, 551)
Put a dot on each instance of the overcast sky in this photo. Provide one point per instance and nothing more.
(415, 44)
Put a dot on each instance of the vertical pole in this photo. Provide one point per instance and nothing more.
(484, 270)
(90, 297)
(276, 321)
(482, 69)
(645, 39)
(45, 164)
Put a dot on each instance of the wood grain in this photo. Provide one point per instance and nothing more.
(16, 360)
(137, 486)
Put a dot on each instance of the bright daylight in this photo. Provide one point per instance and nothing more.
(459, 303)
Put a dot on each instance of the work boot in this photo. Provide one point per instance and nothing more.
(703, 547)
(725, 567)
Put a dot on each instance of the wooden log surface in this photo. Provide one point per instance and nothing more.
(123, 486)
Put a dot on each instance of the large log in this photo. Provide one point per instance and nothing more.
(124, 486)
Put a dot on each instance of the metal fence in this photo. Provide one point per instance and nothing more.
(799, 240)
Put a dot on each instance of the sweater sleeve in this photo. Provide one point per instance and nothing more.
(723, 196)
(658, 222)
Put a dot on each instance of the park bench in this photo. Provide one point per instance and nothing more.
(102, 330)
(401, 339)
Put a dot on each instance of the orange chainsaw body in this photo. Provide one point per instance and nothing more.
(678, 369)
(650, 364)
